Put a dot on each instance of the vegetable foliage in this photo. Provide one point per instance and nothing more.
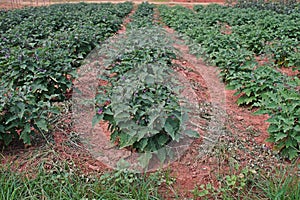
(235, 40)
(40, 49)
(141, 101)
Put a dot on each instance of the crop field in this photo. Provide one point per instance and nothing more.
(147, 101)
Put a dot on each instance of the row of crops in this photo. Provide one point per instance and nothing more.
(235, 40)
(40, 49)
(141, 101)
(279, 6)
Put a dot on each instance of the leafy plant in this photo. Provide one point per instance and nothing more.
(283, 107)
(261, 80)
(231, 186)
(141, 101)
(279, 6)
(40, 51)
(143, 16)
(251, 34)
(283, 50)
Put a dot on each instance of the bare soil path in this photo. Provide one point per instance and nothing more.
(235, 130)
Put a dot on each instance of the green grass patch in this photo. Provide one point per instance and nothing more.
(66, 185)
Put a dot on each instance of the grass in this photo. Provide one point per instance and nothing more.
(66, 185)
(49, 176)
(65, 182)
(282, 184)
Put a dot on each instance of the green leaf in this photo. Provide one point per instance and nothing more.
(162, 154)
(297, 129)
(292, 153)
(152, 118)
(280, 136)
(286, 128)
(25, 134)
(260, 112)
(144, 159)
(22, 109)
(2, 129)
(289, 142)
(122, 115)
(113, 135)
(143, 143)
(126, 140)
(230, 87)
(42, 124)
(273, 128)
(108, 112)
(169, 129)
(39, 87)
(242, 100)
(96, 119)
(251, 99)
(7, 138)
(274, 120)
(126, 124)
(12, 118)
(247, 92)
(162, 140)
(202, 193)
(142, 132)
(297, 138)
(80, 56)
